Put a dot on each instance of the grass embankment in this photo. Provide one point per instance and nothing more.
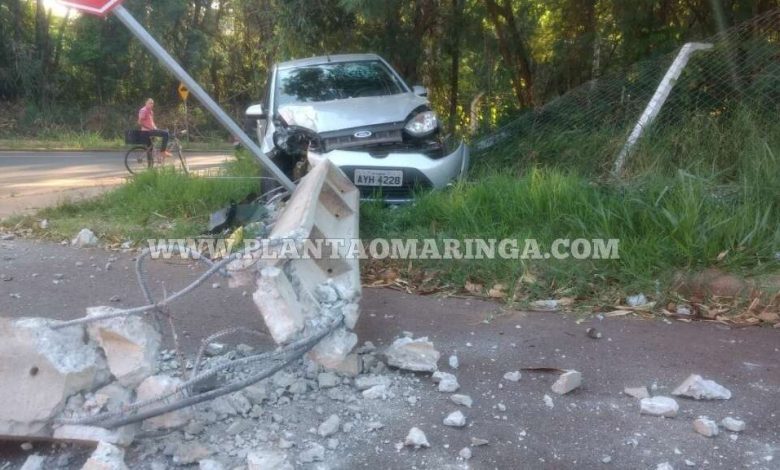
(706, 194)
(155, 204)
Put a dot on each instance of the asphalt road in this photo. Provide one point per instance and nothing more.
(31, 180)
(596, 426)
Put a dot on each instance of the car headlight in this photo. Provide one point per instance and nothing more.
(422, 124)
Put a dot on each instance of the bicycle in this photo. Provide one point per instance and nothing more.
(144, 155)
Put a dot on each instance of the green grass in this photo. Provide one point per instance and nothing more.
(70, 140)
(694, 192)
(155, 204)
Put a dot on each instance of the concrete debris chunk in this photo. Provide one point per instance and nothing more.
(187, 453)
(85, 239)
(314, 453)
(701, 389)
(465, 453)
(567, 382)
(157, 386)
(327, 380)
(131, 345)
(732, 424)
(122, 437)
(34, 462)
(478, 442)
(705, 426)
(548, 401)
(637, 392)
(416, 438)
(334, 348)
(40, 368)
(453, 362)
(368, 381)
(330, 426)
(267, 459)
(416, 355)
(463, 400)
(513, 376)
(275, 298)
(659, 406)
(455, 419)
(376, 392)
(210, 464)
(448, 383)
(664, 466)
(106, 457)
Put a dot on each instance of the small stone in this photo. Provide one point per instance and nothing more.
(367, 381)
(689, 463)
(463, 400)
(314, 453)
(26, 446)
(416, 438)
(465, 453)
(733, 424)
(501, 407)
(637, 392)
(664, 466)
(330, 426)
(215, 349)
(477, 442)
(593, 333)
(267, 459)
(416, 355)
(6, 277)
(567, 382)
(85, 239)
(376, 392)
(106, 457)
(513, 376)
(448, 383)
(188, 453)
(705, 426)
(548, 401)
(701, 389)
(375, 426)
(606, 459)
(328, 380)
(215, 285)
(659, 406)
(332, 444)
(156, 386)
(453, 362)
(455, 419)
(636, 300)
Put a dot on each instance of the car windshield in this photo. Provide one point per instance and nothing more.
(335, 81)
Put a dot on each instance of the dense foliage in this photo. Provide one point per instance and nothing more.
(492, 56)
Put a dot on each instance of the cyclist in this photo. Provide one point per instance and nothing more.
(149, 128)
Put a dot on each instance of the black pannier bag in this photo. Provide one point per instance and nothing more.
(136, 137)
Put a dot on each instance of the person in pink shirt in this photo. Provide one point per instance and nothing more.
(149, 128)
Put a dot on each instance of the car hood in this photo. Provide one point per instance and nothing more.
(351, 113)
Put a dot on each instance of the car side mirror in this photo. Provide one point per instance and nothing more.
(256, 111)
(420, 90)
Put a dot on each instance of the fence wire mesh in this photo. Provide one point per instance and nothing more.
(588, 125)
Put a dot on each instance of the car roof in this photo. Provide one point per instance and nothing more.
(327, 59)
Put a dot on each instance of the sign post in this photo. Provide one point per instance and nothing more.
(184, 93)
(103, 7)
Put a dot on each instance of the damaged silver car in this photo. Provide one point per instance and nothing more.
(356, 111)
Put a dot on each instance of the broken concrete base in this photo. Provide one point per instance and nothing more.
(106, 457)
(278, 304)
(332, 351)
(40, 368)
(130, 344)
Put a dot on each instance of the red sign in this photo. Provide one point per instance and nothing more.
(95, 7)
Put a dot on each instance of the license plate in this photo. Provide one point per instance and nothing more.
(379, 177)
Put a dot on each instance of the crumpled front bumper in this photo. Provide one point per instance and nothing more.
(420, 171)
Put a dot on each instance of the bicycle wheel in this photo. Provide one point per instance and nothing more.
(138, 159)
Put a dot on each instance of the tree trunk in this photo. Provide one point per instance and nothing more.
(457, 9)
(513, 50)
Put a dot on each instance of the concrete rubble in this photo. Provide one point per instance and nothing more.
(130, 345)
(417, 355)
(416, 438)
(156, 386)
(106, 457)
(659, 406)
(455, 419)
(637, 392)
(267, 459)
(705, 426)
(40, 369)
(448, 383)
(513, 376)
(85, 239)
(732, 424)
(463, 400)
(567, 382)
(699, 388)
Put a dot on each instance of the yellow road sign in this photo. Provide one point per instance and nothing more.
(184, 92)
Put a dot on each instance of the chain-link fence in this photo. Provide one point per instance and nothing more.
(732, 86)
